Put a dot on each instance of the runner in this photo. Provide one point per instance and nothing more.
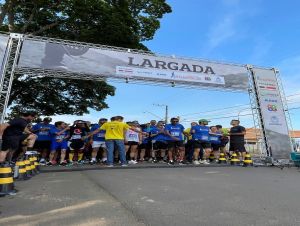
(145, 145)
(12, 134)
(78, 134)
(43, 142)
(224, 139)
(189, 148)
(200, 136)
(237, 140)
(132, 140)
(174, 131)
(159, 142)
(98, 141)
(60, 135)
(215, 140)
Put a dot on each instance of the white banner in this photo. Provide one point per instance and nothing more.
(273, 114)
(127, 64)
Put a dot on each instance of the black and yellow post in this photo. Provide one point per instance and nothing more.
(222, 159)
(211, 157)
(21, 167)
(234, 161)
(28, 168)
(32, 165)
(6, 181)
(37, 165)
(248, 161)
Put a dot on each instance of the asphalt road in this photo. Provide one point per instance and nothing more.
(158, 196)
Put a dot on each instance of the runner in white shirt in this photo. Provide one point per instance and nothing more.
(132, 140)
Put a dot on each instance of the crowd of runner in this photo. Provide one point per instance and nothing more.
(113, 141)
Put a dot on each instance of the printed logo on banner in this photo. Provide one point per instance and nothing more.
(266, 79)
(275, 121)
(272, 107)
(270, 100)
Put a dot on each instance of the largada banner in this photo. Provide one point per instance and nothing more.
(131, 64)
(273, 114)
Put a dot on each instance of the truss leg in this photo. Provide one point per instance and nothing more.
(10, 61)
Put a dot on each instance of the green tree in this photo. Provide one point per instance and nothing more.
(124, 23)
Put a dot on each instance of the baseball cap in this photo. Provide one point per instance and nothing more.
(80, 121)
(204, 120)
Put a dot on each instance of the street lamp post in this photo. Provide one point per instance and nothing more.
(166, 110)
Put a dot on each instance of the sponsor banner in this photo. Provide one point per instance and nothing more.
(132, 72)
(3, 44)
(273, 114)
(140, 66)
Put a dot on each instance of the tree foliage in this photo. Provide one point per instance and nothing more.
(124, 23)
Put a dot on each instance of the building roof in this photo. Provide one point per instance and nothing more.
(252, 133)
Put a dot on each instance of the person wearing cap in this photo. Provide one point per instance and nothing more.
(13, 133)
(175, 132)
(78, 133)
(98, 141)
(237, 140)
(43, 142)
(200, 137)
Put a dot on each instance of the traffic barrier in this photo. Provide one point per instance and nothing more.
(211, 157)
(28, 168)
(222, 159)
(32, 165)
(20, 171)
(248, 160)
(6, 181)
(37, 165)
(234, 161)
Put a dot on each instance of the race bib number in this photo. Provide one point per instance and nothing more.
(45, 133)
(75, 137)
(175, 134)
(214, 138)
(133, 135)
(60, 137)
(203, 137)
(100, 135)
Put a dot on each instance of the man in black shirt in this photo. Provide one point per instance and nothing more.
(14, 132)
(237, 140)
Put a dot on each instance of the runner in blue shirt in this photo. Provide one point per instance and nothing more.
(98, 141)
(159, 142)
(60, 134)
(144, 146)
(200, 137)
(43, 142)
(215, 140)
(175, 132)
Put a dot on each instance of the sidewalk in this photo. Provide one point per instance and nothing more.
(62, 199)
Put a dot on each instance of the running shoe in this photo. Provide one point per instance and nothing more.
(109, 166)
(171, 162)
(43, 162)
(181, 163)
(63, 163)
(196, 162)
(205, 162)
(92, 162)
(131, 162)
(124, 165)
(155, 160)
